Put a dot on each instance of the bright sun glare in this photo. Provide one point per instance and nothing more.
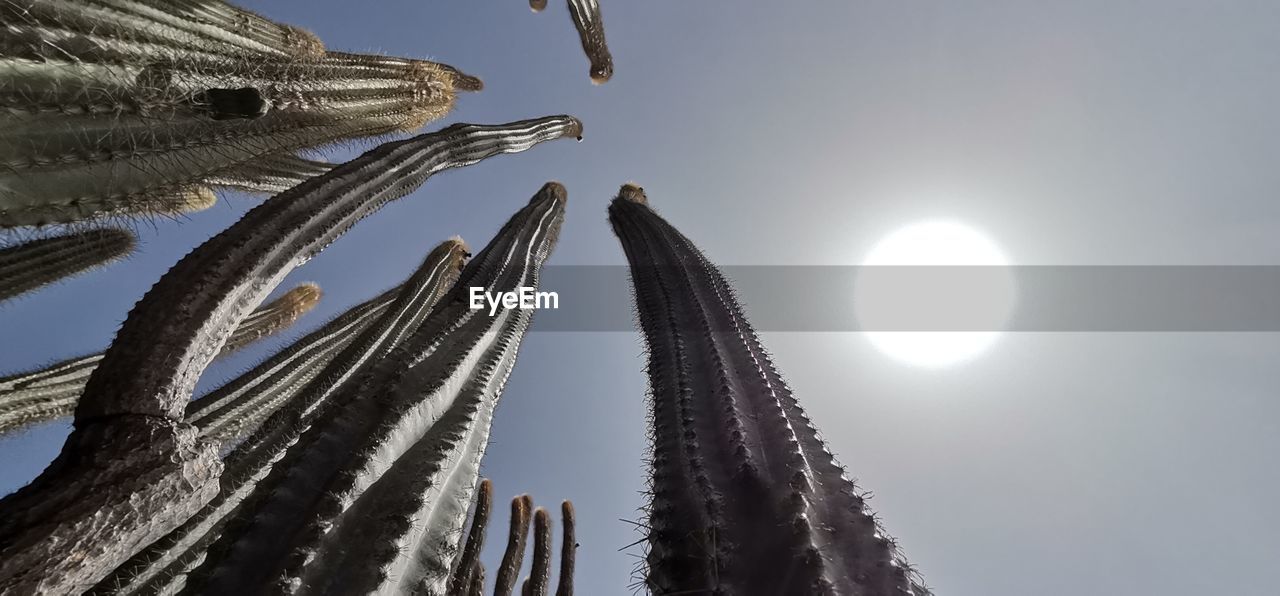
(882, 299)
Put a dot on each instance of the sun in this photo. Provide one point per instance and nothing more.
(979, 300)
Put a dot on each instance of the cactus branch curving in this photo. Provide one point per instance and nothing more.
(746, 497)
(222, 279)
(52, 392)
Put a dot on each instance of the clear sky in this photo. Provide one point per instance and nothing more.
(1089, 132)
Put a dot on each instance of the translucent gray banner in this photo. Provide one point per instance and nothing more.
(1030, 298)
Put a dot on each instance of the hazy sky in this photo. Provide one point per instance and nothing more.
(1088, 132)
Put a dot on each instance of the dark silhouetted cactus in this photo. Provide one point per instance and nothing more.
(746, 497)
(128, 107)
(132, 471)
(51, 392)
(38, 263)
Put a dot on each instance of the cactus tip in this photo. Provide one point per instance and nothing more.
(462, 245)
(634, 193)
(306, 295)
(197, 199)
(601, 74)
(551, 189)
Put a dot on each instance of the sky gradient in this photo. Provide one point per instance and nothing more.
(1080, 133)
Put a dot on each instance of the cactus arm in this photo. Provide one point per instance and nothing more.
(741, 480)
(52, 392)
(393, 462)
(221, 280)
(540, 574)
(135, 398)
(465, 567)
(163, 565)
(273, 317)
(15, 211)
(513, 557)
(89, 132)
(35, 264)
(568, 550)
(586, 19)
(240, 405)
(272, 174)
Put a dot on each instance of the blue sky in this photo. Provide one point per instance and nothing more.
(1090, 133)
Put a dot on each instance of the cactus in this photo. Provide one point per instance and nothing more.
(746, 497)
(590, 26)
(568, 549)
(467, 566)
(38, 263)
(372, 494)
(468, 572)
(513, 557)
(128, 435)
(163, 565)
(51, 392)
(105, 112)
(273, 317)
(141, 29)
(540, 573)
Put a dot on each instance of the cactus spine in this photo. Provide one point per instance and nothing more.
(123, 107)
(746, 497)
(128, 432)
(50, 393)
(38, 263)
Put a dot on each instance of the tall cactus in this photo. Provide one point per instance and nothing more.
(38, 263)
(746, 497)
(51, 392)
(124, 107)
(128, 434)
(374, 492)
